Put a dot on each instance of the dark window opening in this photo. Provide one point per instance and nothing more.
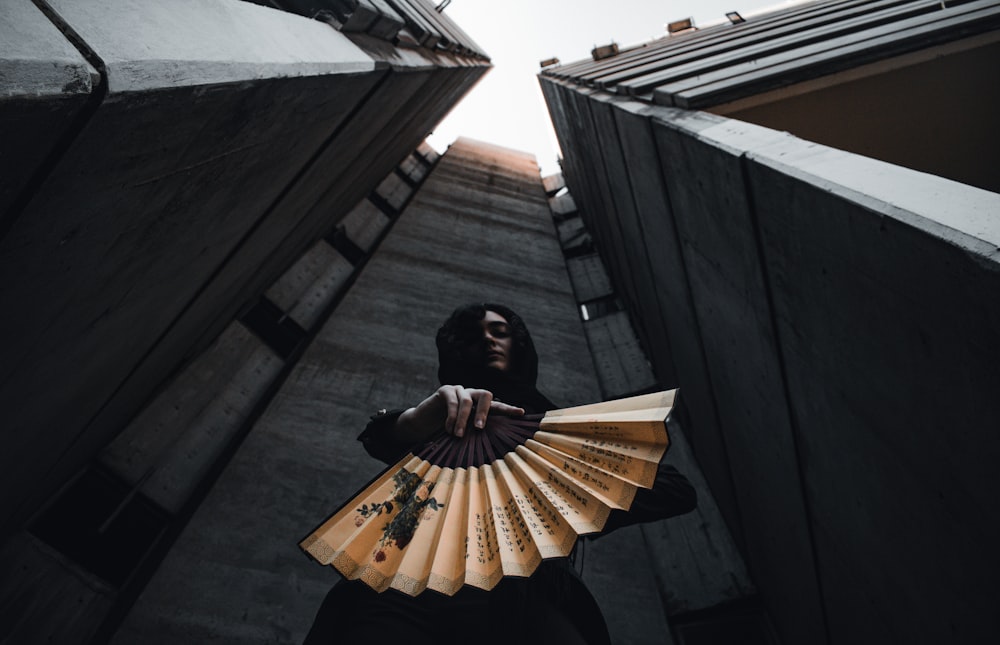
(738, 622)
(600, 307)
(352, 252)
(383, 205)
(273, 326)
(102, 525)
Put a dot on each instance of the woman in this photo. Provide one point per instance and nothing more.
(487, 365)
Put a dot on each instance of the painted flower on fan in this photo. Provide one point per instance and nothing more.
(380, 556)
(413, 502)
(359, 520)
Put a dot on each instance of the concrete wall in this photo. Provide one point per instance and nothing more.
(833, 322)
(479, 229)
(166, 171)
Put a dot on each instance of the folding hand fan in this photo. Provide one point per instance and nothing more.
(497, 501)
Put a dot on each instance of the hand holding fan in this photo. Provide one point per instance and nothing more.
(497, 501)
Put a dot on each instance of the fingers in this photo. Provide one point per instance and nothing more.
(484, 403)
(462, 403)
(449, 395)
(465, 405)
(503, 408)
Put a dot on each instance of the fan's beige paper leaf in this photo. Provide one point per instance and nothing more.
(553, 538)
(483, 568)
(439, 526)
(655, 400)
(614, 492)
(330, 543)
(414, 570)
(635, 463)
(518, 555)
(584, 512)
(448, 568)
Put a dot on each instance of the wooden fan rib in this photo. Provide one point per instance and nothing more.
(552, 537)
(635, 463)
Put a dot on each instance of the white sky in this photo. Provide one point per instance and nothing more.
(506, 107)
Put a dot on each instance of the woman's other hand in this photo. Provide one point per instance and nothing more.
(452, 404)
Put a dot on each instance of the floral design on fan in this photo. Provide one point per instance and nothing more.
(413, 498)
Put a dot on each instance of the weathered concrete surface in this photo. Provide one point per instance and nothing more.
(646, 319)
(184, 43)
(236, 573)
(884, 284)
(167, 457)
(617, 569)
(343, 172)
(693, 557)
(170, 448)
(657, 234)
(690, 562)
(121, 237)
(605, 217)
(621, 364)
(311, 284)
(365, 224)
(847, 313)
(415, 167)
(703, 175)
(147, 249)
(590, 280)
(562, 205)
(553, 183)
(394, 191)
(175, 410)
(66, 601)
(45, 84)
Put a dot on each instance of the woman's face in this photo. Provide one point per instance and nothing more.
(497, 334)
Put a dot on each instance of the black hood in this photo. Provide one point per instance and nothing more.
(462, 358)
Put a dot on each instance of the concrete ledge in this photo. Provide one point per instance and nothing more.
(147, 44)
(44, 84)
(590, 280)
(364, 224)
(180, 435)
(963, 215)
(562, 205)
(35, 58)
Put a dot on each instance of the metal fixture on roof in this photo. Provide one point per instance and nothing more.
(735, 17)
(678, 26)
(549, 62)
(604, 51)
(441, 7)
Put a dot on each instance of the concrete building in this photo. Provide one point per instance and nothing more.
(163, 165)
(800, 212)
(224, 246)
